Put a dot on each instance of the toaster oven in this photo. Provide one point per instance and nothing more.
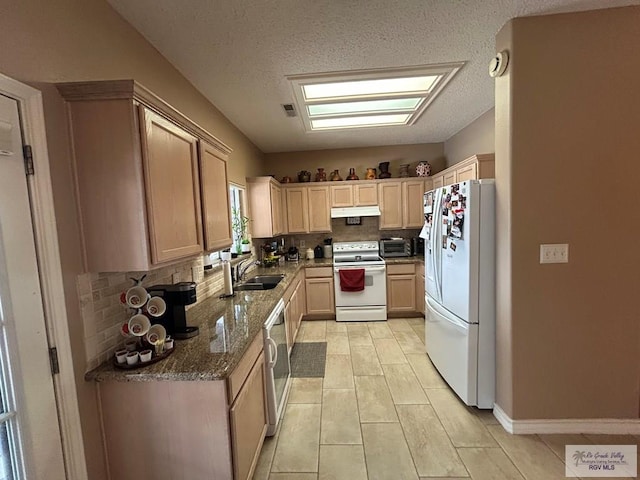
(395, 247)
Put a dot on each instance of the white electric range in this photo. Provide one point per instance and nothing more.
(369, 304)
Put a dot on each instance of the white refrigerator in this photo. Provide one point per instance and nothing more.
(459, 235)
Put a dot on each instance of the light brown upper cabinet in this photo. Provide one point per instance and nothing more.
(354, 195)
(390, 198)
(401, 203)
(412, 200)
(265, 207)
(137, 176)
(319, 210)
(170, 161)
(297, 211)
(473, 168)
(215, 198)
(306, 208)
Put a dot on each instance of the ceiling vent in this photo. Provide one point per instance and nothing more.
(289, 109)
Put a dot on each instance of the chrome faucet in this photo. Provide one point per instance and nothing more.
(241, 271)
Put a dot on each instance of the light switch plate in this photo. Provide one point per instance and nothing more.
(554, 253)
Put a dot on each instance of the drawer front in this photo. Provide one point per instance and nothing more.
(319, 272)
(239, 374)
(401, 269)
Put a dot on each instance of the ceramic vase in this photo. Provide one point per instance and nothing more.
(321, 176)
(384, 170)
(335, 176)
(404, 170)
(304, 176)
(352, 174)
(371, 174)
(423, 169)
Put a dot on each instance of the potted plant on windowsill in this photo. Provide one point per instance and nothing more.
(239, 224)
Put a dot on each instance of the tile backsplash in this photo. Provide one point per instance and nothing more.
(103, 314)
(368, 230)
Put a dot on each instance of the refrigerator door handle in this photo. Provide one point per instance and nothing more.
(436, 240)
(449, 317)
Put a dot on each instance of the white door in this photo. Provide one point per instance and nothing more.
(30, 445)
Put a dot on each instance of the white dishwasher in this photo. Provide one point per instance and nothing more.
(277, 365)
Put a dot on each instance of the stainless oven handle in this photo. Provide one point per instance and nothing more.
(366, 269)
(272, 343)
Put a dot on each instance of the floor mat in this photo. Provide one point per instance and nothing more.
(308, 359)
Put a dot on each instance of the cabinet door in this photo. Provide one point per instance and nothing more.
(390, 198)
(320, 296)
(449, 178)
(469, 172)
(170, 161)
(438, 182)
(302, 301)
(289, 321)
(428, 185)
(276, 209)
(342, 196)
(401, 293)
(365, 195)
(248, 417)
(413, 198)
(420, 306)
(319, 210)
(297, 210)
(214, 192)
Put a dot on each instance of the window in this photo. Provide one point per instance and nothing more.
(238, 210)
(369, 98)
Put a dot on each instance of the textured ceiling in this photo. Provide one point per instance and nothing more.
(238, 53)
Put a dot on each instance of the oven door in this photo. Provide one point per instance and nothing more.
(375, 287)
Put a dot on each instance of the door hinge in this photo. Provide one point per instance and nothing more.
(28, 159)
(53, 358)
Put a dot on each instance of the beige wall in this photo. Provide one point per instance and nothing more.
(71, 40)
(477, 137)
(290, 163)
(567, 117)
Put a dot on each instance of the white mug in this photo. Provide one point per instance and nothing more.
(121, 356)
(133, 358)
(130, 345)
(139, 325)
(156, 307)
(136, 297)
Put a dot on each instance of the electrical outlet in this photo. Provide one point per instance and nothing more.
(175, 278)
(303, 244)
(554, 253)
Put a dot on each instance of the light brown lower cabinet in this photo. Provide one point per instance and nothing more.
(168, 430)
(401, 288)
(420, 306)
(248, 422)
(320, 295)
(294, 308)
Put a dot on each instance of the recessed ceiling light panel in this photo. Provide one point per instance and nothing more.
(369, 98)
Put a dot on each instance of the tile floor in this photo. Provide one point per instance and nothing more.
(383, 412)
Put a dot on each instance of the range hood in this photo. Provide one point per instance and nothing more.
(372, 211)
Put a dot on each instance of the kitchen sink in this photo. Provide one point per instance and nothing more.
(260, 282)
(266, 279)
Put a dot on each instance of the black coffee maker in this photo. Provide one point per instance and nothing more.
(176, 297)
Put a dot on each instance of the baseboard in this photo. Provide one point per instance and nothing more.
(610, 426)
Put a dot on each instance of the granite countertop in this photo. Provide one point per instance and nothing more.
(227, 328)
